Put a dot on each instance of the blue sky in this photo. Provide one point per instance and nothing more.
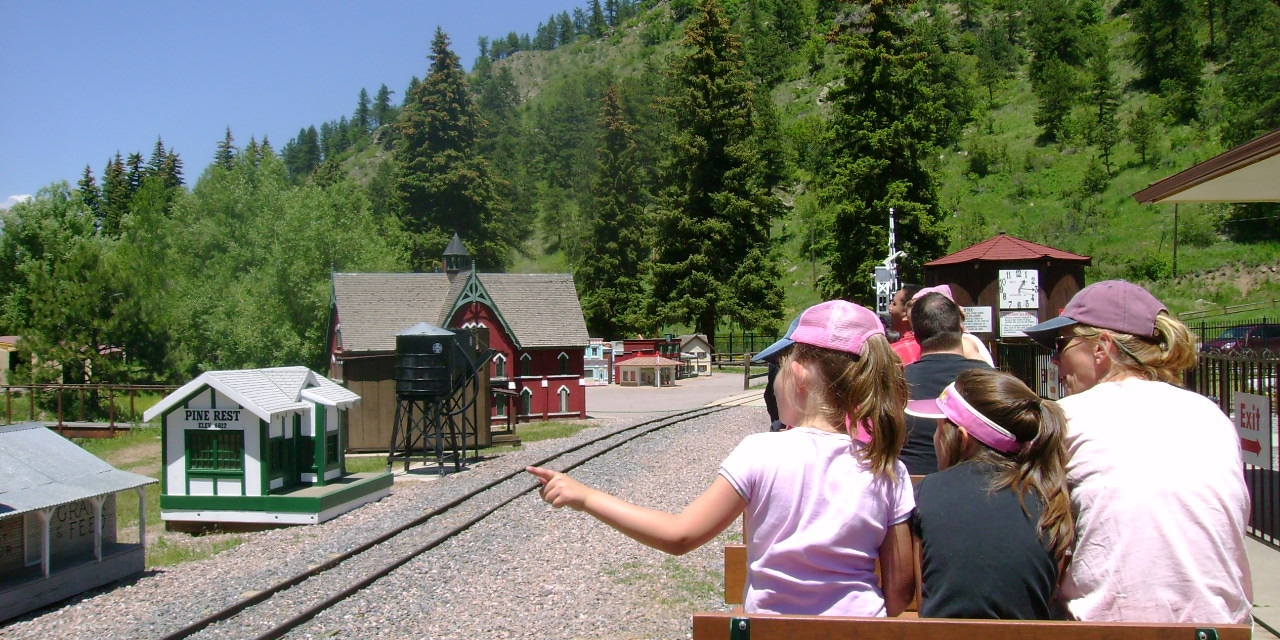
(81, 80)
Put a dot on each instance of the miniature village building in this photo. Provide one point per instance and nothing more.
(258, 447)
(58, 506)
(533, 324)
(695, 355)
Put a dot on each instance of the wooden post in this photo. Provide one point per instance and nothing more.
(746, 371)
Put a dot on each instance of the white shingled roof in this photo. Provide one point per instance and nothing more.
(262, 392)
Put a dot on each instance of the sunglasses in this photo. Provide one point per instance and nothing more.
(1061, 344)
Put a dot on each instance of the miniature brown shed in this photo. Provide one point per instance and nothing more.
(1007, 284)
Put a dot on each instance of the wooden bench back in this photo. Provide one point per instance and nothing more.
(727, 626)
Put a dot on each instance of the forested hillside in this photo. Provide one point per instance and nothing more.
(698, 165)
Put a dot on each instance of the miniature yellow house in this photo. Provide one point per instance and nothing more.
(258, 447)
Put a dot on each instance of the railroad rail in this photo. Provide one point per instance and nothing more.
(292, 602)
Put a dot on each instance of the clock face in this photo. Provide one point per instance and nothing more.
(1019, 289)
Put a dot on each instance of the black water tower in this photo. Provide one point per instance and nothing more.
(424, 359)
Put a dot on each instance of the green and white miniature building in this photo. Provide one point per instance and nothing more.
(259, 447)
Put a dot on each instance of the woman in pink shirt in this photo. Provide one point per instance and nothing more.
(1155, 470)
(822, 500)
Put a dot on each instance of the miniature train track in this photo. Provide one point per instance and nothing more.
(294, 601)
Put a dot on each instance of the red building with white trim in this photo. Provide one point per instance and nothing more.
(533, 323)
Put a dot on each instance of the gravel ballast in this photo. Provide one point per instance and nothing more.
(527, 570)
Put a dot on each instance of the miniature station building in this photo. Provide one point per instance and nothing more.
(258, 448)
(647, 362)
(58, 506)
(533, 324)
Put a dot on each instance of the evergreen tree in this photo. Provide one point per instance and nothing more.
(716, 206)
(596, 24)
(1056, 36)
(996, 59)
(362, 121)
(1167, 54)
(1104, 96)
(226, 152)
(1252, 77)
(444, 186)
(609, 275)
(1252, 80)
(1142, 133)
(115, 197)
(383, 112)
(885, 125)
(90, 194)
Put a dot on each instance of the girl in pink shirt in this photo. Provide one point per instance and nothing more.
(823, 500)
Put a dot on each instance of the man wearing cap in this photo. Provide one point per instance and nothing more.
(770, 398)
(937, 324)
(1155, 470)
(900, 321)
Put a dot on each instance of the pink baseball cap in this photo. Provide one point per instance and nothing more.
(834, 324)
(952, 406)
(943, 289)
(1110, 304)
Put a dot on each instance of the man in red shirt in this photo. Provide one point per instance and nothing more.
(906, 347)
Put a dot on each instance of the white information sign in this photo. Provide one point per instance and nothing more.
(977, 319)
(1013, 322)
(1251, 414)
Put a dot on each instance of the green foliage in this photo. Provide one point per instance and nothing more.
(716, 205)
(888, 117)
(444, 186)
(609, 276)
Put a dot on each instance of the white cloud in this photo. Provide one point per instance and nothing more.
(12, 200)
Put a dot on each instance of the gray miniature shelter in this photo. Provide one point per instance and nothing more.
(58, 532)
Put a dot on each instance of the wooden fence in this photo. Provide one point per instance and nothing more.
(62, 405)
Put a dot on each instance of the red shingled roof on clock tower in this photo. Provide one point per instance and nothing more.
(1005, 248)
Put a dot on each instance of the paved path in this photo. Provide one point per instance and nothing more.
(1264, 561)
(616, 401)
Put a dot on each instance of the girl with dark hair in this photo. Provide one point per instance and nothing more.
(995, 522)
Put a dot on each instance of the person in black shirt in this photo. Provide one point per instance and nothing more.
(995, 523)
(938, 327)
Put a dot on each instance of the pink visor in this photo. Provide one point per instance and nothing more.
(953, 407)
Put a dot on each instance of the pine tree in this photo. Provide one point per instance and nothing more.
(1252, 80)
(1056, 36)
(716, 206)
(444, 186)
(596, 24)
(382, 109)
(885, 123)
(225, 155)
(115, 197)
(1167, 54)
(90, 194)
(1104, 95)
(609, 276)
(1142, 133)
(362, 121)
